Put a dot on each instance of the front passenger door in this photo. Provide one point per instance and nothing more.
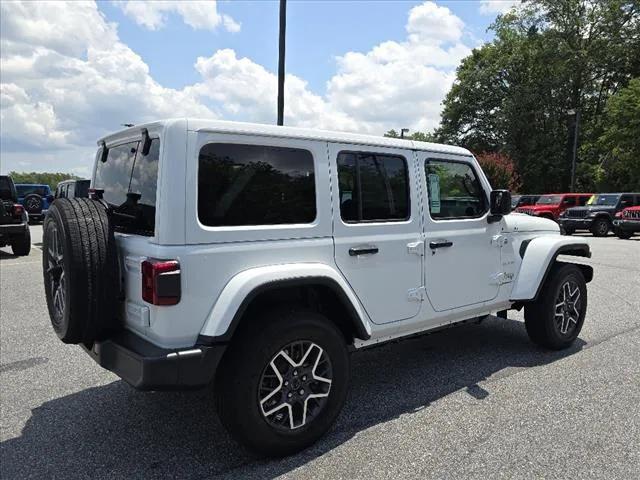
(462, 249)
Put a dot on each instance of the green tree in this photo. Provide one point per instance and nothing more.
(417, 136)
(47, 178)
(512, 95)
(619, 144)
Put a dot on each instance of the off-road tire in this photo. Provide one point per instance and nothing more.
(623, 234)
(79, 230)
(239, 379)
(600, 227)
(540, 315)
(21, 246)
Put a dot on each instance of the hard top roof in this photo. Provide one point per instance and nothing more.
(242, 128)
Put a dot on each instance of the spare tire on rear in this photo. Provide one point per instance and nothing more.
(33, 203)
(80, 269)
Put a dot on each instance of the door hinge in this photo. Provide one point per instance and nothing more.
(417, 294)
(499, 241)
(416, 248)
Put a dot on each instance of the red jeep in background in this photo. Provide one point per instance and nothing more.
(627, 222)
(551, 206)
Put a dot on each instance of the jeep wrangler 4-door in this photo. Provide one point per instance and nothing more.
(598, 214)
(255, 258)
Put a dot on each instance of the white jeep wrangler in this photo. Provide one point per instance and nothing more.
(255, 258)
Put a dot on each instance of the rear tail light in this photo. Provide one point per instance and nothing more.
(619, 214)
(161, 282)
(18, 210)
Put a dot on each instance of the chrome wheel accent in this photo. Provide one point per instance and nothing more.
(295, 385)
(55, 273)
(567, 308)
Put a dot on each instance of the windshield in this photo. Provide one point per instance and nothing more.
(24, 190)
(129, 180)
(604, 200)
(549, 200)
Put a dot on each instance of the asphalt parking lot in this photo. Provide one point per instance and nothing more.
(477, 401)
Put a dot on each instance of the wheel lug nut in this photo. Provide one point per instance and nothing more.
(295, 373)
(301, 392)
(289, 395)
(286, 383)
(304, 378)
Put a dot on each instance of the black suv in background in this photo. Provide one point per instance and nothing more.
(597, 216)
(73, 189)
(14, 221)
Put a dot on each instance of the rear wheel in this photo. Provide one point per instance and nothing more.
(283, 381)
(555, 319)
(600, 227)
(21, 245)
(80, 270)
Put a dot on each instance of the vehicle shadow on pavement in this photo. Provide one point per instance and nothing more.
(116, 431)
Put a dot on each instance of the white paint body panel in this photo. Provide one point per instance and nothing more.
(240, 286)
(540, 252)
(220, 266)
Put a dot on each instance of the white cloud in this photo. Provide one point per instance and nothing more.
(64, 87)
(198, 14)
(433, 24)
(492, 7)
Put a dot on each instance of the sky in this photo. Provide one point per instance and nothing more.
(71, 72)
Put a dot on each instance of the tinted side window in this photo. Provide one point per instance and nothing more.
(454, 190)
(626, 201)
(582, 201)
(373, 187)
(569, 201)
(255, 185)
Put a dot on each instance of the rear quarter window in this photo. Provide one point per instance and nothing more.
(255, 185)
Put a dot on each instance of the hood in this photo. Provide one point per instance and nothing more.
(520, 222)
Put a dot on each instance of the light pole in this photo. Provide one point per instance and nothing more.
(281, 48)
(574, 152)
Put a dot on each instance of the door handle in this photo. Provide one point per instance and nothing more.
(440, 244)
(368, 250)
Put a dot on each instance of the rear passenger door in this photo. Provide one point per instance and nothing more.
(377, 225)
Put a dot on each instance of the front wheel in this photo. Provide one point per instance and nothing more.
(283, 381)
(555, 319)
(600, 227)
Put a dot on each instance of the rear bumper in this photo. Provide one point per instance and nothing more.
(146, 366)
(627, 225)
(576, 223)
(10, 229)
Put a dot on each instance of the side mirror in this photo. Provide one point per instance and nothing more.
(500, 201)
